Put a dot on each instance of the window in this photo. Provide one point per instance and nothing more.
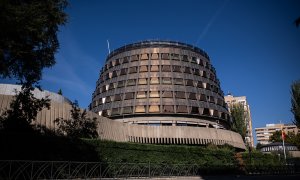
(168, 109)
(165, 56)
(204, 74)
(154, 68)
(154, 94)
(180, 94)
(187, 70)
(114, 74)
(194, 110)
(103, 88)
(126, 59)
(131, 82)
(134, 57)
(216, 113)
(127, 110)
(178, 81)
(108, 99)
(123, 71)
(201, 62)
(208, 86)
(185, 58)
(202, 97)
(166, 80)
(176, 69)
(104, 113)
(192, 96)
(144, 57)
(154, 80)
(194, 60)
(211, 77)
(141, 94)
(154, 109)
(196, 72)
(111, 86)
(143, 81)
(121, 84)
(107, 76)
(175, 57)
(118, 97)
(133, 69)
(206, 112)
(129, 95)
(110, 65)
(115, 111)
(140, 109)
(117, 62)
(223, 115)
(143, 68)
(211, 99)
(220, 102)
(167, 94)
(166, 68)
(154, 56)
(189, 82)
(182, 109)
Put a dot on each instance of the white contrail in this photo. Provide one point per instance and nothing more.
(211, 21)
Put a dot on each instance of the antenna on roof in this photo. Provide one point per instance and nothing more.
(108, 46)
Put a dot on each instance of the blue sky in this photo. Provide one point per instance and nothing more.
(254, 45)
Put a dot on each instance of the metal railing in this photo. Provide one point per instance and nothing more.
(30, 170)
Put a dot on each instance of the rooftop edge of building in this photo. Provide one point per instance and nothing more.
(11, 89)
(156, 43)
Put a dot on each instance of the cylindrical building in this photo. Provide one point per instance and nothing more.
(160, 83)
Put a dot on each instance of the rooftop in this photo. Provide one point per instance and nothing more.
(157, 43)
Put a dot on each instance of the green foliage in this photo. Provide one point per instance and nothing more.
(28, 39)
(294, 139)
(238, 117)
(169, 154)
(290, 137)
(295, 100)
(28, 42)
(276, 137)
(23, 111)
(257, 158)
(79, 126)
(258, 146)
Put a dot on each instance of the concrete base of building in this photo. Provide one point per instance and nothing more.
(125, 132)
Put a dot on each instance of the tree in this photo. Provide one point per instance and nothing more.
(79, 126)
(23, 111)
(295, 100)
(28, 39)
(276, 137)
(28, 42)
(258, 146)
(238, 118)
(290, 137)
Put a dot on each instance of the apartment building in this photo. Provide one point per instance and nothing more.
(264, 133)
(230, 100)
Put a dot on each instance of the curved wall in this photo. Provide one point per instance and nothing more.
(59, 105)
(125, 132)
(155, 82)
